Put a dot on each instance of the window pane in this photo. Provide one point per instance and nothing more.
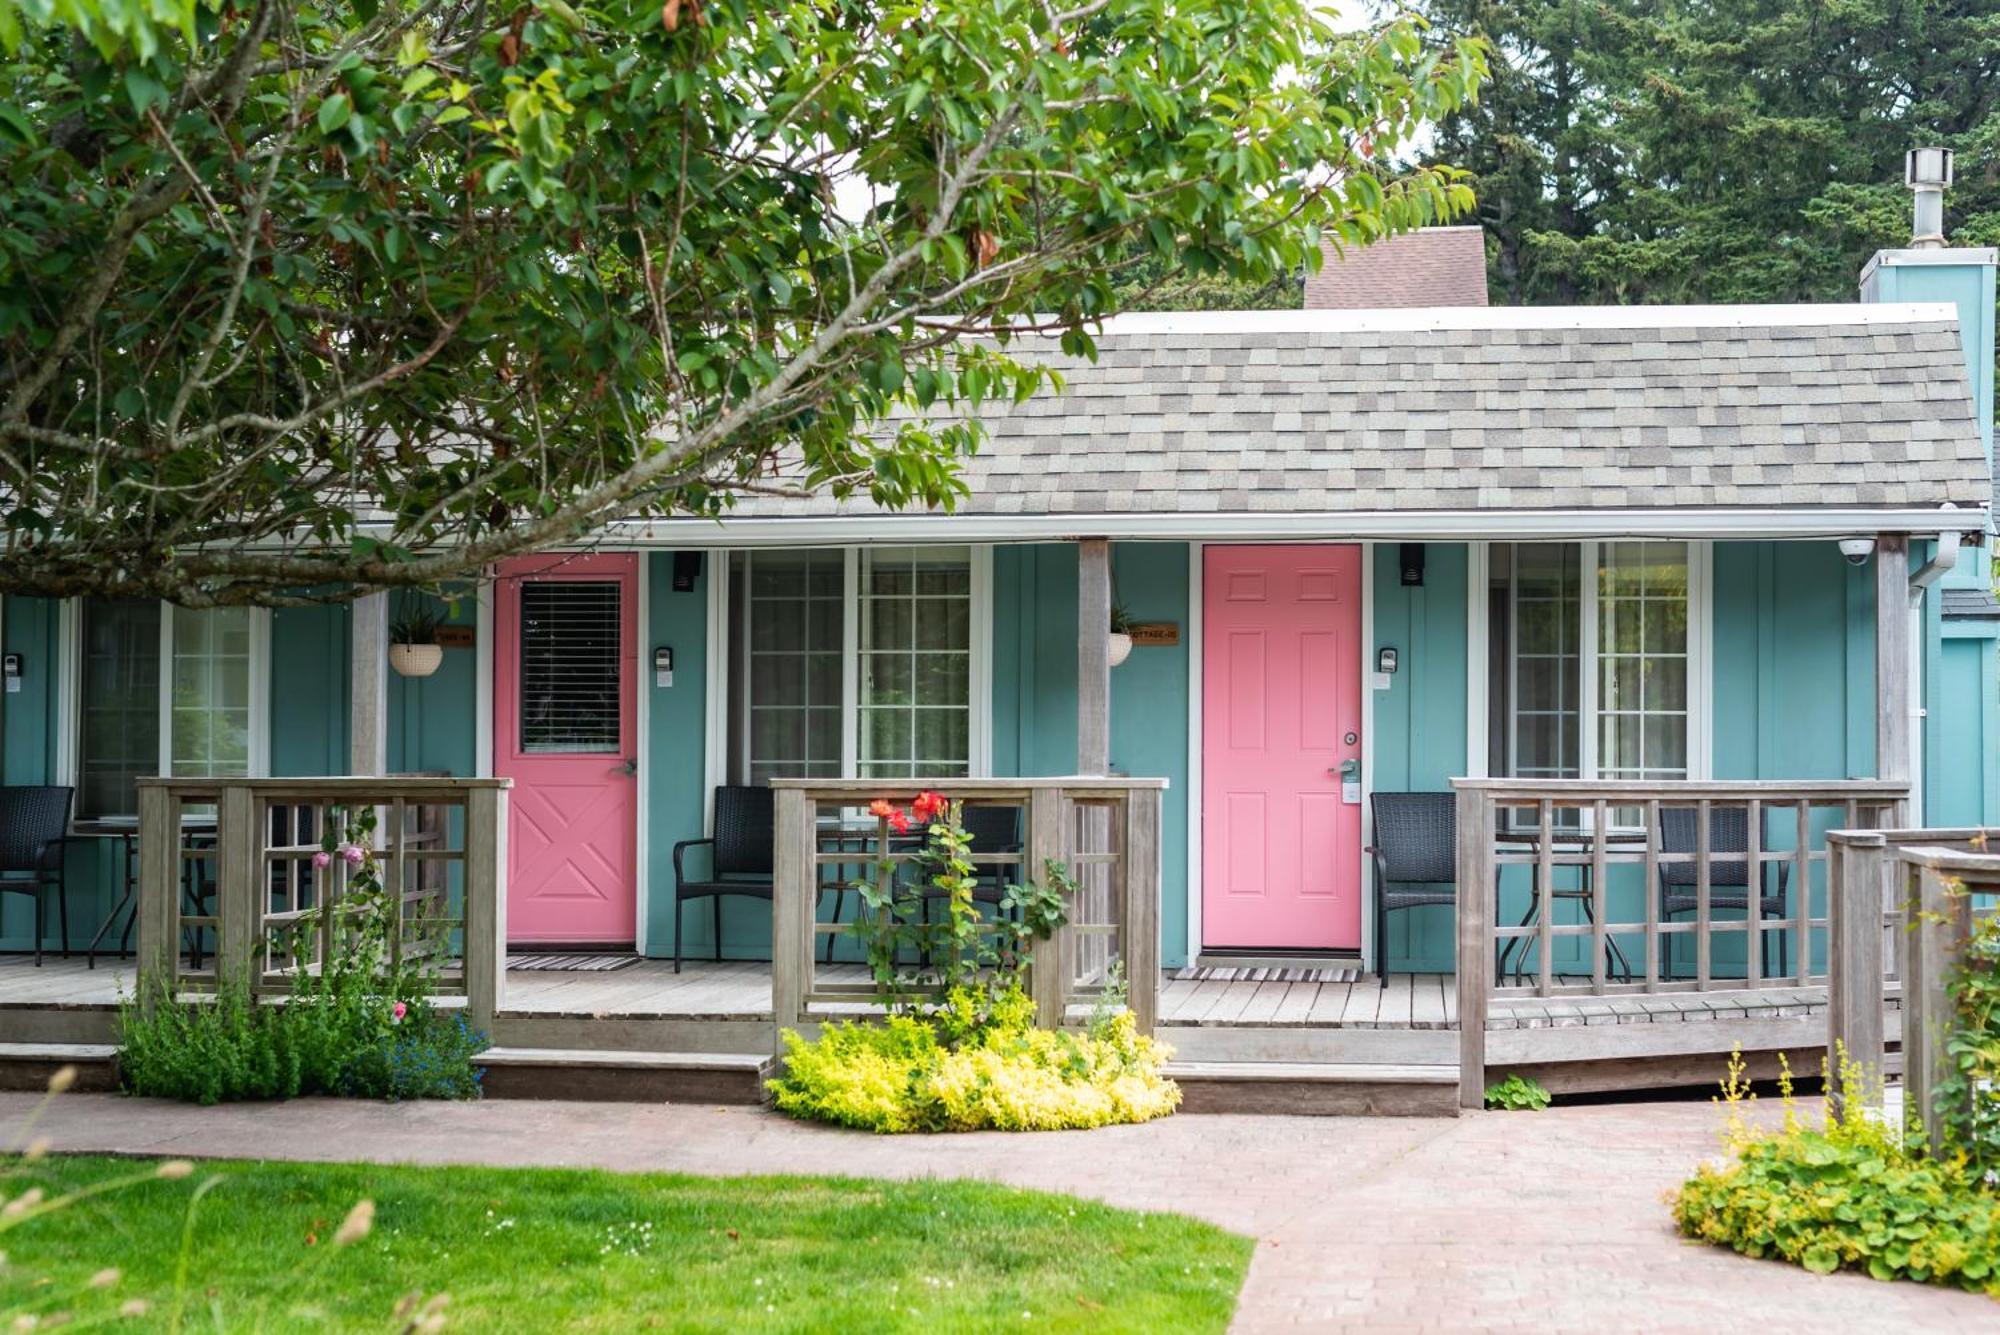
(1535, 596)
(785, 685)
(1643, 659)
(211, 692)
(119, 734)
(916, 637)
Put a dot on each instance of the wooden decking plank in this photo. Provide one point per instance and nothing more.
(1297, 1004)
(1264, 1002)
(1364, 1002)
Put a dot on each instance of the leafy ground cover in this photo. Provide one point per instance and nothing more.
(545, 1249)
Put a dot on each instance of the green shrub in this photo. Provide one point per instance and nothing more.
(905, 1074)
(1849, 1193)
(959, 1049)
(1517, 1093)
(360, 1024)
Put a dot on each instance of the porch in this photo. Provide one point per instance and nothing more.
(1295, 1038)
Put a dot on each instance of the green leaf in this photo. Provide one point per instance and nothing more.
(333, 113)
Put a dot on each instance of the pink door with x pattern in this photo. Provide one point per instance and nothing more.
(1281, 721)
(565, 730)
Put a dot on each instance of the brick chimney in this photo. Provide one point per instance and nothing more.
(1432, 266)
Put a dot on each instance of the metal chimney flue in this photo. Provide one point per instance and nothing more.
(1927, 172)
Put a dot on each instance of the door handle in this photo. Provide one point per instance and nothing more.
(626, 767)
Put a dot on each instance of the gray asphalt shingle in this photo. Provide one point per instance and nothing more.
(1784, 409)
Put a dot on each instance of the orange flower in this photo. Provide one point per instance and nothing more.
(899, 822)
(880, 809)
(930, 805)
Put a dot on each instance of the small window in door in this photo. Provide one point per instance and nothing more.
(570, 655)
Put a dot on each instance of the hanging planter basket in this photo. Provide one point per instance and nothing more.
(415, 660)
(1120, 648)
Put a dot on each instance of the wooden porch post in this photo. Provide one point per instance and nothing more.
(1892, 665)
(1093, 663)
(368, 707)
(1857, 862)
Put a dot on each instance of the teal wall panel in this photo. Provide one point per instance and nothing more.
(1034, 687)
(1963, 751)
(674, 759)
(1419, 721)
(309, 697)
(28, 626)
(1794, 662)
(434, 721)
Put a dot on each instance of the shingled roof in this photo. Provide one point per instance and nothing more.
(1558, 409)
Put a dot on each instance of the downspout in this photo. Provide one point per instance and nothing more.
(1944, 558)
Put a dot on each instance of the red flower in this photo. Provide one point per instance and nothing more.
(930, 805)
(899, 822)
(881, 809)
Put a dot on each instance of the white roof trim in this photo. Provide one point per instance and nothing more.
(1436, 526)
(1528, 317)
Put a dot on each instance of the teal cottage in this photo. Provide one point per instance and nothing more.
(1356, 549)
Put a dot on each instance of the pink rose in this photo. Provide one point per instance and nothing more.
(397, 1012)
(322, 858)
(354, 854)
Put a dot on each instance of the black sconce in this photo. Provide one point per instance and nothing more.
(1413, 563)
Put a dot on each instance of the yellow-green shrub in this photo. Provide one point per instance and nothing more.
(1848, 1193)
(918, 1073)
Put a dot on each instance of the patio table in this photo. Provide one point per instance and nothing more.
(125, 829)
(1529, 838)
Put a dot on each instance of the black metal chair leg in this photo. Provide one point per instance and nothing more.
(680, 928)
(62, 909)
(715, 923)
(839, 898)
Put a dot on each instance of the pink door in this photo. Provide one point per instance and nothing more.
(1281, 714)
(565, 650)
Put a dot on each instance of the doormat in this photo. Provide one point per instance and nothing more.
(569, 963)
(1213, 973)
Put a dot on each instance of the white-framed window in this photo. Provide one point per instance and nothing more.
(1598, 658)
(857, 662)
(162, 689)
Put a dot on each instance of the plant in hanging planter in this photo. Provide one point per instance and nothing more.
(959, 1049)
(414, 650)
(1120, 647)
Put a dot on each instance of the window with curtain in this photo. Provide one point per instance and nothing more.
(850, 663)
(144, 663)
(1590, 660)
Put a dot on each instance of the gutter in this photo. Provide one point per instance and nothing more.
(1947, 524)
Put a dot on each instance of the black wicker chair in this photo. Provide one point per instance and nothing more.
(739, 858)
(34, 821)
(1416, 847)
(1728, 882)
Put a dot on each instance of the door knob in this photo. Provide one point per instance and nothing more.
(627, 767)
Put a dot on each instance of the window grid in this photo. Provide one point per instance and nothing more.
(1642, 660)
(915, 610)
(793, 606)
(209, 703)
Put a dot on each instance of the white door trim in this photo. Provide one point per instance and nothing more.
(1366, 649)
(1194, 810)
(642, 683)
(483, 701)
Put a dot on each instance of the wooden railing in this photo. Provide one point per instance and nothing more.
(228, 885)
(1598, 832)
(1106, 831)
(1905, 901)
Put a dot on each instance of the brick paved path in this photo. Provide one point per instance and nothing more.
(1548, 1221)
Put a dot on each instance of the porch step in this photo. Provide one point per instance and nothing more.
(634, 1077)
(1317, 1089)
(26, 1067)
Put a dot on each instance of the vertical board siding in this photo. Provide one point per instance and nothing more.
(434, 720)
(28, 755)
(1034, 687)
(674, 753)
(1419, 721)
(310, 668)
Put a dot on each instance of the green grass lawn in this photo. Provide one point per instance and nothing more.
(544, 1249)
